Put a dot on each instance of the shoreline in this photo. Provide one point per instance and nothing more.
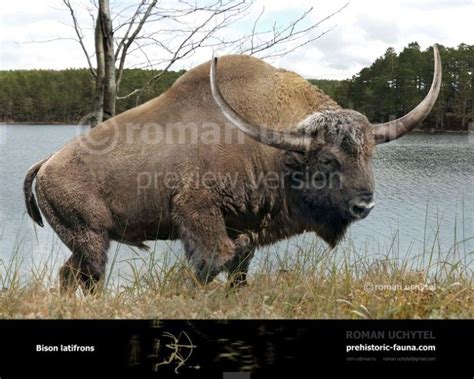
(55, 123)
(29, 123)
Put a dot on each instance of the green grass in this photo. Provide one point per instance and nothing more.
(314, 282)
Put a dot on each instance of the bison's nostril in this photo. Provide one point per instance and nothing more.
(361, 209)
(358, 210)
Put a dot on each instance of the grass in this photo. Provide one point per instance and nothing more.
(310, 283)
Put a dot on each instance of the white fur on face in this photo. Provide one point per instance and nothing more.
(344, 128)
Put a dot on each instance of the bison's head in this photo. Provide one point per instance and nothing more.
(329, 156)
(335, 177)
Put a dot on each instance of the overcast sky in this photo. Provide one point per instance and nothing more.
(358, 34)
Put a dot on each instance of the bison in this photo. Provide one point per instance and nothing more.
(224, 161)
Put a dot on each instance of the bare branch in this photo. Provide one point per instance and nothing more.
(255, 27)
(129, 95)
(186, 47)
(284, 52)
(80, 36)
(130, 25)
(290, 33)
(128, 40)
(47, 40)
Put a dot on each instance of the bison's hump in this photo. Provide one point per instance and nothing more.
(260, 92)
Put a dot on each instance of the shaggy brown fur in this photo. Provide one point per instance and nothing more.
(90, 190)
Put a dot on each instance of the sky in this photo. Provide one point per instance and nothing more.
(38, 34)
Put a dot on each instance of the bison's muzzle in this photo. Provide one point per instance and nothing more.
(361, 205)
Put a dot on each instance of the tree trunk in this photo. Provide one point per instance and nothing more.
(110, 87)
(99, 80)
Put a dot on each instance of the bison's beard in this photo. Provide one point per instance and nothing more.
(332, 235)
(330, 226)
(330, 222)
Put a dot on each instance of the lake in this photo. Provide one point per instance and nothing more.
(424, 196)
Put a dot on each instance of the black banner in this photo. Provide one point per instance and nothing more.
(234, 349)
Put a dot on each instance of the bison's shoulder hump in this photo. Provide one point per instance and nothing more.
(296, 91)
(237, 69)
(257, 90)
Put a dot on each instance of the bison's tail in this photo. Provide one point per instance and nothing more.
(31, 205)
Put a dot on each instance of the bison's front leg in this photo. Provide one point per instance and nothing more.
(204, 236)
(238, 267)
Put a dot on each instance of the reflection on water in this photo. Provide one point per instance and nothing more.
(423, 195)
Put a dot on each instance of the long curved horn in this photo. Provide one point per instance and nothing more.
(391, 130)
(291, 141)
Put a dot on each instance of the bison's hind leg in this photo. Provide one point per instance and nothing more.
(87, 241)
(87, 264)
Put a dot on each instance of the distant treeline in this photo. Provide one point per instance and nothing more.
(394, 84)
(65, 96)
(390, 87)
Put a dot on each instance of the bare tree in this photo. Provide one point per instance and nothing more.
(176, 30)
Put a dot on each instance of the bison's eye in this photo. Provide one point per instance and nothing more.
(327, 162)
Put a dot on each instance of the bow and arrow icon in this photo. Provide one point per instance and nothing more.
(177, 347)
